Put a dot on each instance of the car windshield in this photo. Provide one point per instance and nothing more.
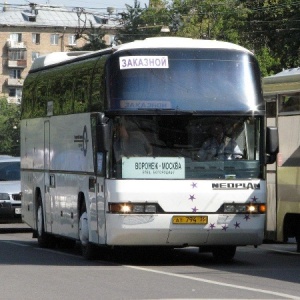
(9, 170)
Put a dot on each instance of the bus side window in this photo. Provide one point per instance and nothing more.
(290, 103)
(271, 109)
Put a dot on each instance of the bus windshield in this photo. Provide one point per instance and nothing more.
(197, 80)
(186, 147)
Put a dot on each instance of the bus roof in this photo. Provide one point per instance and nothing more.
(282, 82)
(180, 42)
(153, 42)
(55, 57)
(283, 76)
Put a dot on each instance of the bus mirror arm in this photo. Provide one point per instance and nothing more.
(272, 144)
(103, 137)
(270, 158)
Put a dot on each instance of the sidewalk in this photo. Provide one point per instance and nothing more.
(14, 227)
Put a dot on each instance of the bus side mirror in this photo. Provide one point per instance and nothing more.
(272, 144)
(103, 137)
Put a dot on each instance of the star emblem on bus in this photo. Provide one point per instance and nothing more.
(194, 185)
(192, 197)
(225, 227)
(247, 217)
(212, 225)
(237, 225)
(194, 209)
(254, 199)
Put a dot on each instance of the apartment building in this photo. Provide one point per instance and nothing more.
(29, 32)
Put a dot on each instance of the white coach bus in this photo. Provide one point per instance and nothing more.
(113, 147)
(282, 95)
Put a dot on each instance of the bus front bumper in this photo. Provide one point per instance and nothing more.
(159, 230)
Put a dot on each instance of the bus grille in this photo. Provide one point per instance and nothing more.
(16, 196)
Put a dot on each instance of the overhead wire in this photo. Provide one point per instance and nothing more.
(98, 10)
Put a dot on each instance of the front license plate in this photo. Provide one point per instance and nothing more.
(190, 220)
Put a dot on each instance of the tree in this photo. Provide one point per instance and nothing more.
(131, 21)
(269, 28)
(94, 40)
(9, 128)
(266, 27)
(141, 23)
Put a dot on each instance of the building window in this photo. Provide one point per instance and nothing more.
(36, 37)
(72, 39)
(16, 37)
(15, 93)
(17, 55)
(54, 39)
(15, 73)
(12, 93)
(34, 55)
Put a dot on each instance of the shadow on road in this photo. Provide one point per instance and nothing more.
(264, 262)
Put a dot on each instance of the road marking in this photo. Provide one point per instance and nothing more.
(286, 296)
(281, 251)
(15, 243)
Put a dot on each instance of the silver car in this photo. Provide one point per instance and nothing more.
(10, 188)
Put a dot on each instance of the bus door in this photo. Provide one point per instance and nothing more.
(47, 185)
(97, 216)
(100, 206)
(271, 225)
(96, 191)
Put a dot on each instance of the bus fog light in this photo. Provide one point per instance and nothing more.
(133, 208)
(241, 208)
(138, 208)
(120, 208)
(150, 208)
(252, 209)
(125, 208)
(229, 208)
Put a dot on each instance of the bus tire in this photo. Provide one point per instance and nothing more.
(297, 236)
(224, 253)
(88, 250)
(298, 243)
(44, 240)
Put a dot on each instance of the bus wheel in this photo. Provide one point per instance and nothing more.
(224, 253)
(298, 240)
(44, 239)
(88, 250)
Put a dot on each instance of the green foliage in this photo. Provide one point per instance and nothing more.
(266, 61)
(141, 23)
(269, 28)
(9, 128)
(94, 40)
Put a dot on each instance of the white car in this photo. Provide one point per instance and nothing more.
(10, 188)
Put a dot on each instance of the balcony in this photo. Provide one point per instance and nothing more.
(15, 100)
(21, 63)
(15, 45)
(16, 82)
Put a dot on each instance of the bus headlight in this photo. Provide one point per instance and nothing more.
(132, 208)
(247, 208)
